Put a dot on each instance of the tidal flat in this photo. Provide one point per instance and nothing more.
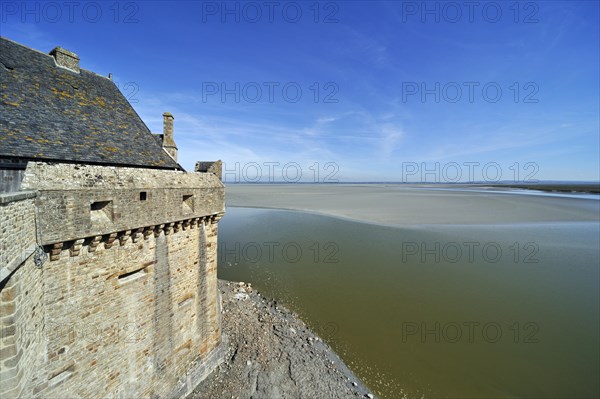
(431, 291)
(399, 204)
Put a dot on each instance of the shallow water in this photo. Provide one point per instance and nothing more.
(439, 310)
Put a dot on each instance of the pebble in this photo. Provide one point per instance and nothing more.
(268, 311)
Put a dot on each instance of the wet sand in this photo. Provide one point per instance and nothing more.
(419, 204)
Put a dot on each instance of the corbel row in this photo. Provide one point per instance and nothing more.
(135, 235)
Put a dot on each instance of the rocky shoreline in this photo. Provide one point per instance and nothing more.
(271, 353)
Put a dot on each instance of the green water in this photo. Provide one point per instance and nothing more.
(515, 313)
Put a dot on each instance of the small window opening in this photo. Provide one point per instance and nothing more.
(188, 203)
(143, 196)
(100, 205)
(129, 276)
(101, 211)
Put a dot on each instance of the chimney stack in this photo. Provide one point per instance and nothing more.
(65, 59)
(168, 140)
(214, 167)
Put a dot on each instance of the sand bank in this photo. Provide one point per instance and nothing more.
(418, 204)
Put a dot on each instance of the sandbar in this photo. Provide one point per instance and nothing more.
(399, 204)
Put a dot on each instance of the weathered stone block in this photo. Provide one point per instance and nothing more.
(13, 361)
(7, 352)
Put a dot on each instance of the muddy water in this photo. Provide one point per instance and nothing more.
(441, 311)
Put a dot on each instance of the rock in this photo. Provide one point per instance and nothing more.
(241, 296)
(370, 396)
(248, 320)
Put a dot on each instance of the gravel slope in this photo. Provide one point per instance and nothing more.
(272, 354)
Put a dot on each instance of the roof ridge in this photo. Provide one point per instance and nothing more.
(51, 57)
(57, 114)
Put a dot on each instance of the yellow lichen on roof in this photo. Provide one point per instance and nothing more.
(46, 105)
(61, 93)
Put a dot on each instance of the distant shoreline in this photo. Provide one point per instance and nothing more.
(558, 187)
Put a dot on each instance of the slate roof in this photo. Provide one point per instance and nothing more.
(51, 113)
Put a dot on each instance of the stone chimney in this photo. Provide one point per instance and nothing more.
(214, 167)
(65, 59)
(168, 140)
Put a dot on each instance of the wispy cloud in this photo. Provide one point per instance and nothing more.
(368, 54)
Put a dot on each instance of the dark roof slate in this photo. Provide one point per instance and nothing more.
(51, 113)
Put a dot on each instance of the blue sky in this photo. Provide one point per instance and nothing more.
(360, 91)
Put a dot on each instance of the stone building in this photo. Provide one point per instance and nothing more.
(108, 283)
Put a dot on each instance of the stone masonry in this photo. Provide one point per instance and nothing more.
(108, 247)
(21, 309)
(126, 303)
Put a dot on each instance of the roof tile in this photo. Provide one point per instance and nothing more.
(50, 112)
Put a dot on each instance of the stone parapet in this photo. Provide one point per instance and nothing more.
(77, 201)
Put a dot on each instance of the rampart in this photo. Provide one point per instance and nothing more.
(108, 282)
